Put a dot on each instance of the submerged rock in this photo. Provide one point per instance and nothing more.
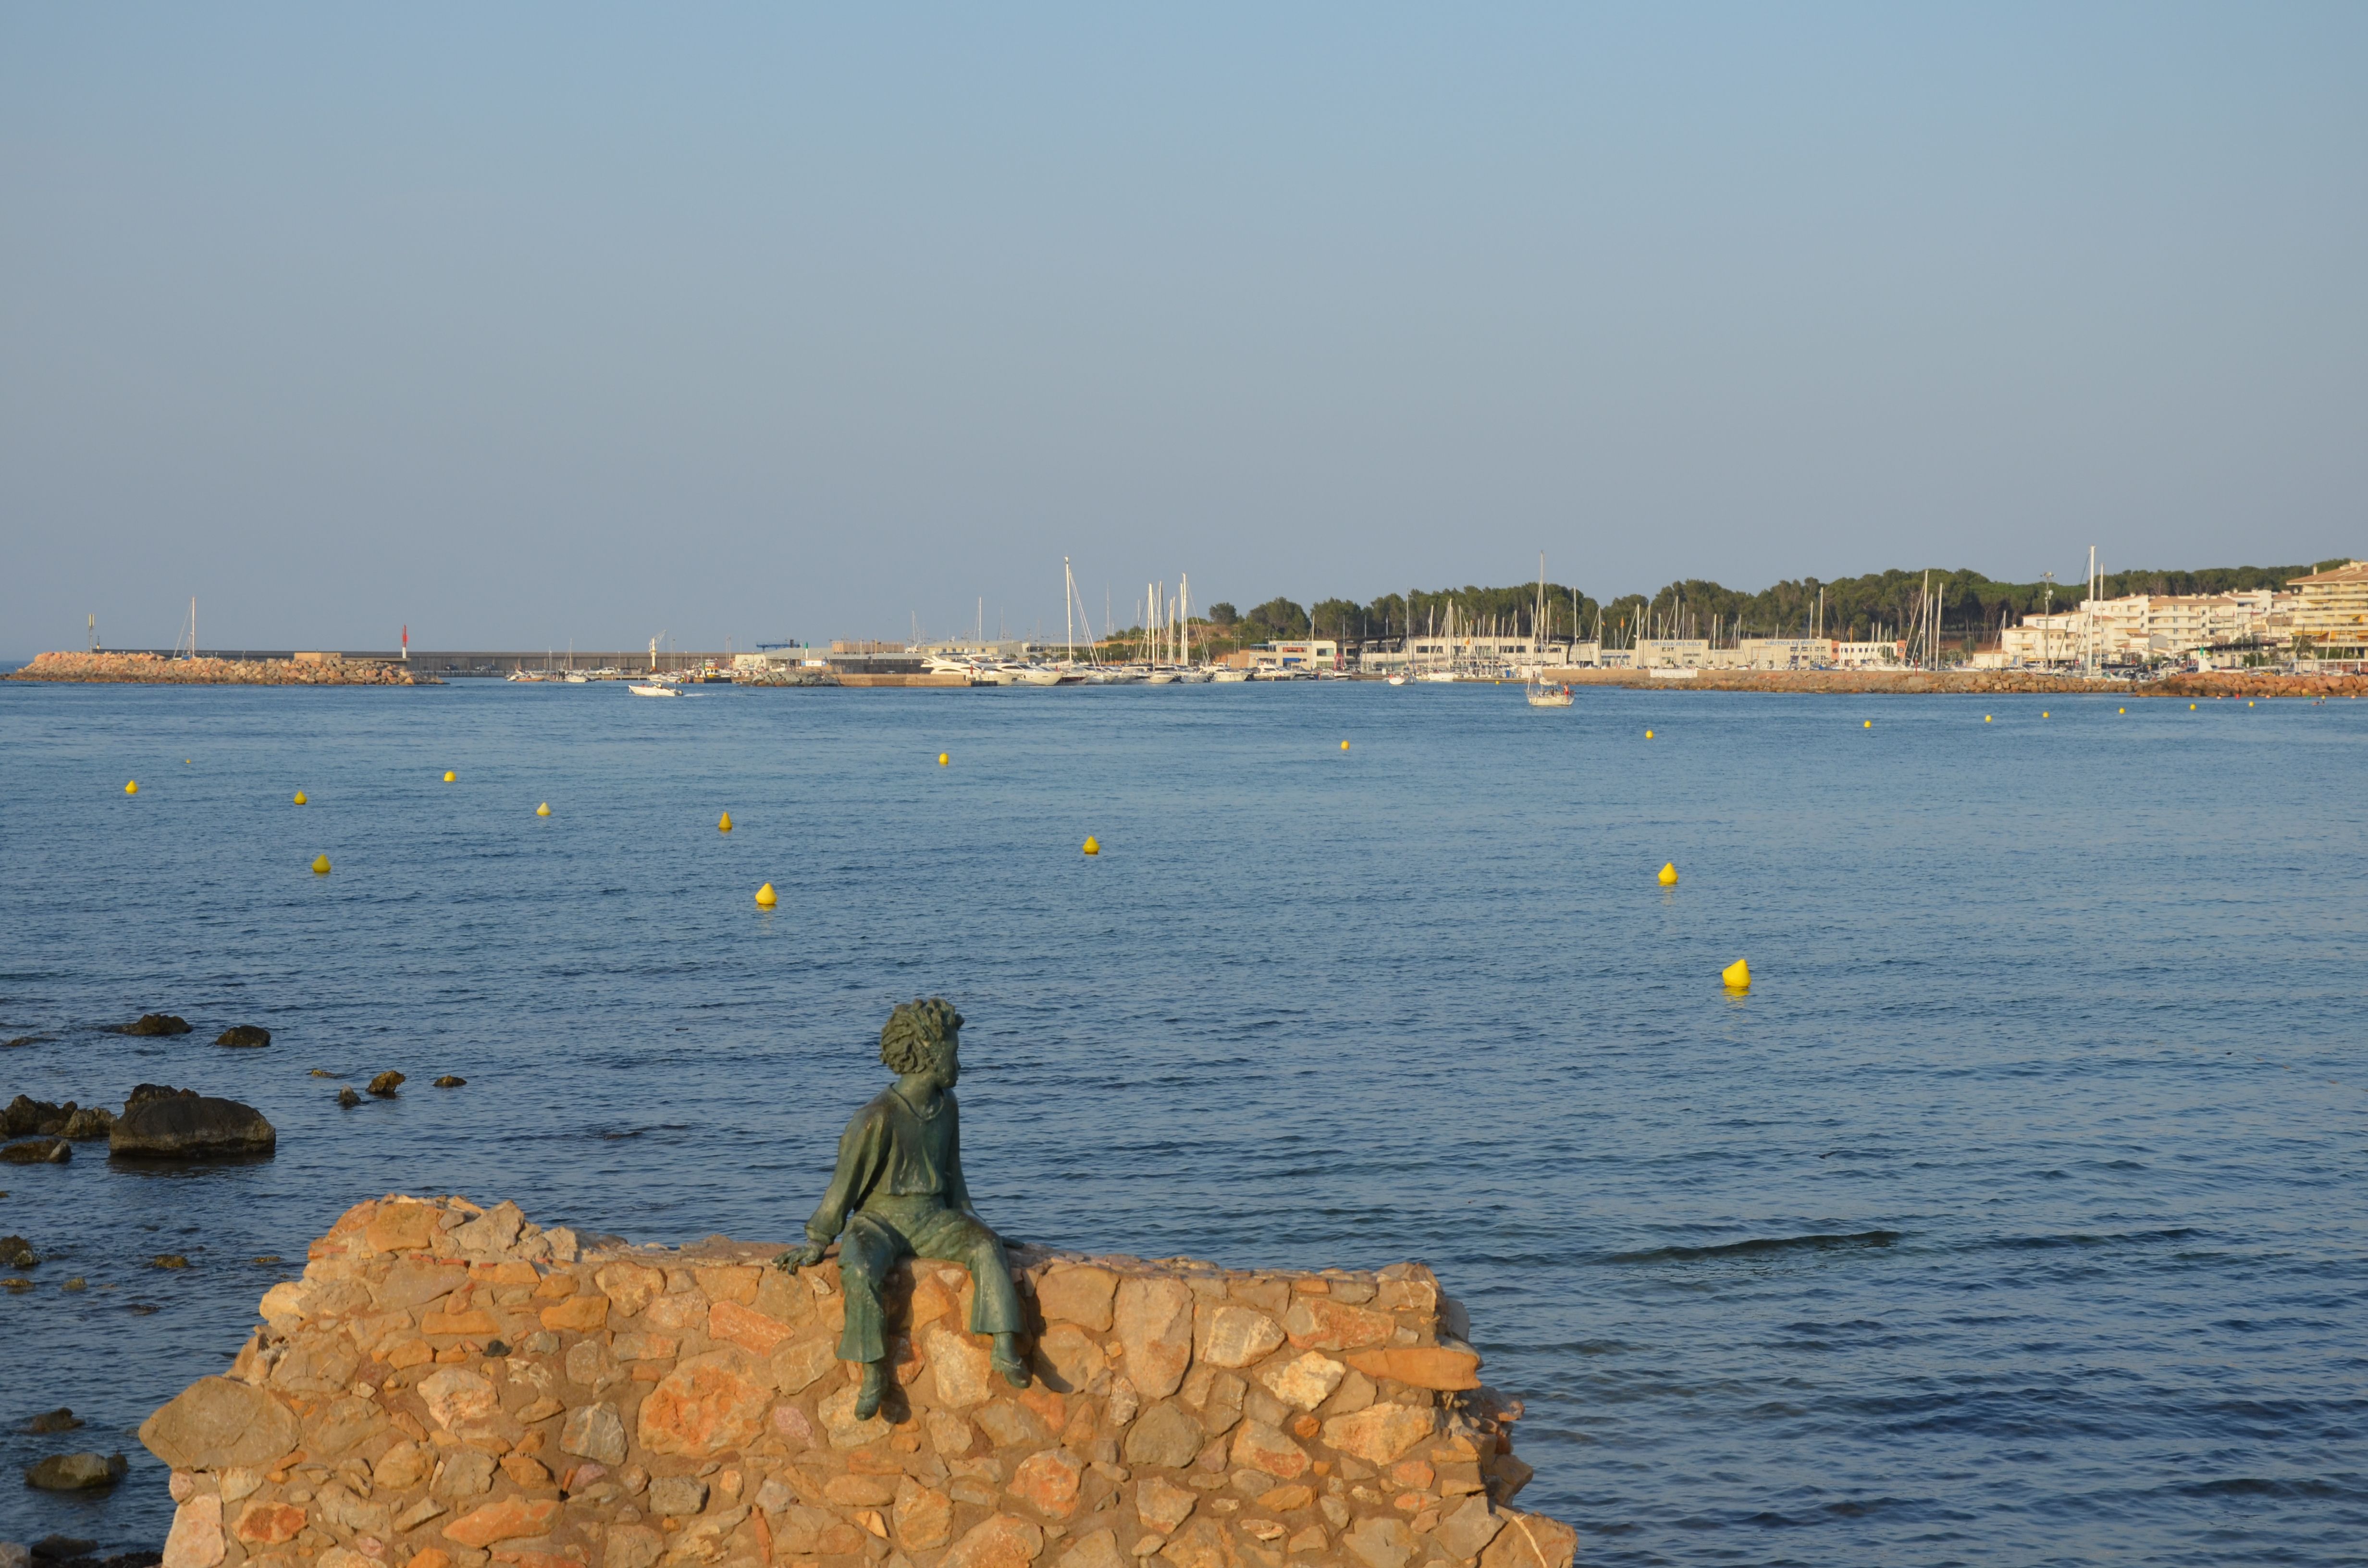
(155, 1024)
(16, 1251)
(386, 1082)
(26, 1115)
(346, 1097)
(187, 1126)
(58, 1420)
(168, 1260)
(450, 1080)
(90, 1122)
(60, 1548)
(244, 1034)
(77, 1473)
(37, 1152)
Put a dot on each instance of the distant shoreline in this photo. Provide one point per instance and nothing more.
(2006, 683)
(149, 669)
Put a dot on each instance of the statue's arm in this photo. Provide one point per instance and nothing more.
(957, 1190)
(861, 1149)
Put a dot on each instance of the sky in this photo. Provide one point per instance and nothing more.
(529, 326)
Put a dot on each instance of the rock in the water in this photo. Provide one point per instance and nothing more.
(450, 1080)
(61, 1547)
(157, 1092)
(244, 1034)
(77, 1473)
(386, 1082)
(58, 1420)
(26, 1115)
(157, 1023)
(90, 1122)
(346, 1097)
(192, 1126)
(37, 1152)
(168, 1260)
(16, 1251)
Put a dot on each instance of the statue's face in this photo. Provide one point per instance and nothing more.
(945, 1061)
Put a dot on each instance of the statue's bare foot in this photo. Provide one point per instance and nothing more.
(875, 1388)
(1006, 1359)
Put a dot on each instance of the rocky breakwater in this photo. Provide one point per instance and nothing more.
(450, 1387)
(149, 669)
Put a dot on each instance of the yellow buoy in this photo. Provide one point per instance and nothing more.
(2121, 709)
(1648, 734)
(449, 776)
(2191, 707)
(943, 758)
(1869, 725)
(1093, 845)
(723, 822)
(1985, 718)
(543, 809)
(2043, 713)
(131, 787)
(1344, 746)
(320, 864)
(1737, 976)
(300, 796)
(1669, 875)
(766, 897)
(2249, 705)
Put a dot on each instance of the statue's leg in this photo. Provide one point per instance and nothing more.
(867, 1250)
(994, 1306)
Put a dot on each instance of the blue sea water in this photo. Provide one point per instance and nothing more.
(2014, 1216)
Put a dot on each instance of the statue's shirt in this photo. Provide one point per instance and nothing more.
(890, 1152)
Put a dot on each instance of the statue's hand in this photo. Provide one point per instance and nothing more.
(798, 1257)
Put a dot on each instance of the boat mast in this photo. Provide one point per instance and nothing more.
(1068, 611)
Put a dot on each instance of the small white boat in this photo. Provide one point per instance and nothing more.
(640, 689)
(1548, 694)
(1439, 676)
(1397, 680)
(1228, 676)
(576, 678)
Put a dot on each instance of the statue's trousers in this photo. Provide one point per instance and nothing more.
(887, 1229)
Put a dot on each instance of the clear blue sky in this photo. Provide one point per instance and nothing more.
(527, 324)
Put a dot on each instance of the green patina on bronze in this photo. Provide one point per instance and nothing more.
(898, 1192)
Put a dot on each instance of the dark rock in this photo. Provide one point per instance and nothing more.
(134, 1559)
(22, 1040)
(155, 1023)
(157, 1092)
(168, 1260)
(320, 1073)
(346, 1097)
(58, 1547)
(386, 1082)
(58, 1420)
(450, 1080)
(244, 1034)
(90, 1122)
(16, 1251)
(37, 1152)
(77, 1473)
(26, 1115)
(189, 1126)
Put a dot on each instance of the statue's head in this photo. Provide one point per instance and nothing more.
(926, 1037)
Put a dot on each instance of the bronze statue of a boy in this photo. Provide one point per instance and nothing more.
(898, 1192)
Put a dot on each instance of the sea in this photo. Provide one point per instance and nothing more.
(2013, 1215)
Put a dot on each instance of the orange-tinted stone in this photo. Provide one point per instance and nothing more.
(736, 1283)
(477, 1322)
(1316, 1322)
(581, 1313)
(524, 1472)
(1003, 1540)
(745, 1326)
(1381, 1433)
(1420, 1366)
(433, 1557)
(1048, 1482)
(401, 1226)
(556, 1286)
(1258, 1446)
(268, 1524)
(925, 1516)
(705, 1405)
(508, 1520)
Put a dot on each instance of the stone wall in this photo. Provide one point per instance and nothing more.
(451, 1387)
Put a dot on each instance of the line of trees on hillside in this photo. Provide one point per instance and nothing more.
(1974, 608)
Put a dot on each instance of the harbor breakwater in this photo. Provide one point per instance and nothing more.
(450, 1386)
(151, 669)
(1928, 683)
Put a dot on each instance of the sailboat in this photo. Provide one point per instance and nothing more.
(1542, 693)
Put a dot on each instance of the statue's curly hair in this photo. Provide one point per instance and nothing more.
(914, 1030)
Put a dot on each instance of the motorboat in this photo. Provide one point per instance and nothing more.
(1397, 680)
(1228, 676)
(651, 689)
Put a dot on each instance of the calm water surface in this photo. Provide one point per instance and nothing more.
(2014, 1217)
